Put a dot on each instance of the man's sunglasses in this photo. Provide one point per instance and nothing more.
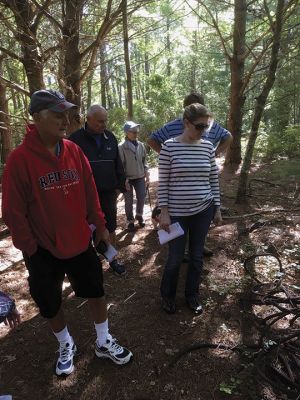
(200, 126)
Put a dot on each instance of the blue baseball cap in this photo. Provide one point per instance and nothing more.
(130, 125)
(49, 100)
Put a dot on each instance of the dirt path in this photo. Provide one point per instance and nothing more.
(27, 356)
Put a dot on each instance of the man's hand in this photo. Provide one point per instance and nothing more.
(102, 235)
(154, 145)
(13, 319)
(223, 146)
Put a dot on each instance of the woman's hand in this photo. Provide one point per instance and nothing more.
(13, 319)
(218, 217)
(164, 219)
(147, 178)
(127, 185)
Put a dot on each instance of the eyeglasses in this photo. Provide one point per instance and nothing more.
(200, 126)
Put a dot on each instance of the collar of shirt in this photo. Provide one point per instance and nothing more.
(92, 133)
(57, 150)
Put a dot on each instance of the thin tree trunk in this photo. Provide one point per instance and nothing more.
(260, 104)
(237, 98)
(127, 62)
(146, 70)
(168, 48)
(103, 74)
(89, 84)
(5, 131)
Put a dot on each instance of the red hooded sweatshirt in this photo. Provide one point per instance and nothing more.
(50, 200)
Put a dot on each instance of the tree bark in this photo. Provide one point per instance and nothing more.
(103, 74)
(71, 79)
(72, 57)
(237, 97)
(261, 102)
(5, 131)
(146, 70)
(26, 35)
(168, 48)
(127, 62)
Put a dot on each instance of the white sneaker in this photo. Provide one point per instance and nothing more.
(118, 354)
(64, 364)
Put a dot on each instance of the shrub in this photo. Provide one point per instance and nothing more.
(285, 143)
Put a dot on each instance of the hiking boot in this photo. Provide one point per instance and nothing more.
(169, 305)
(130, 227)
(118, 268)
(64, 364)
(194, 304)
(111, 349)
(140, 220)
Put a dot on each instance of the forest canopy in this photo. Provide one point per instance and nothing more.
(139, 58)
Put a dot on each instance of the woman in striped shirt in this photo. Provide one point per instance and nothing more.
(188, 193)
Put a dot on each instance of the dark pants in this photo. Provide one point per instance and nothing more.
(108, 201)
(140, 192)
(197, 227)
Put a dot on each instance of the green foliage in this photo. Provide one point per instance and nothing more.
(287, 143)
(116, 119)
(279, 144)
(164, 34)
(229, 387)
(162, 97)
(286, 170)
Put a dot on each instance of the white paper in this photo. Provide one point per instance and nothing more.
(175, 231)
(110, 253)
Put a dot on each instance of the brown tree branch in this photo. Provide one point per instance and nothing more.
(43, 11)
(11, 54)
(14, 86)
(214, 24)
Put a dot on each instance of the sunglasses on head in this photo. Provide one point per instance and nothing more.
(200, 126)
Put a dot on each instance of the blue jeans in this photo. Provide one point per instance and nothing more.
(197, 227)
(140, 192)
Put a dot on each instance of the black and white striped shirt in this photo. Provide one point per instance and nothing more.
(188, 177)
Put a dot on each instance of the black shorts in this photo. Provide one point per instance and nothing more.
(108, 201)
(47, 273)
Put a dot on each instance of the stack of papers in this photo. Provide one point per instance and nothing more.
(175, 231)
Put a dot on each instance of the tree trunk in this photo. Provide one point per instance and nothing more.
(72, 15)
(237, 98)
(26, 36)
(168, 48)
(72, 56)
(146, 70)
(103, 77)
(5, 131)
(260, 104)
(127, 62)
(89, 85)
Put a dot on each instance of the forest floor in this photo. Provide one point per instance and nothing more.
(233, 355)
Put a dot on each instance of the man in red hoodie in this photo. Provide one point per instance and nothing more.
(49, 201)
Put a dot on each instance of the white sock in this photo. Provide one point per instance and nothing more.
(63, 335)
(102, 332)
